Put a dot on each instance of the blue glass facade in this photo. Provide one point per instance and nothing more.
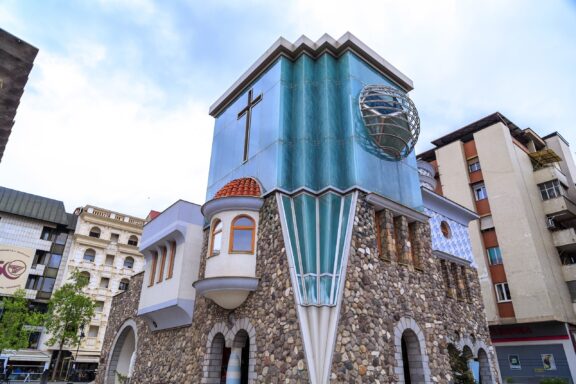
(308, 132)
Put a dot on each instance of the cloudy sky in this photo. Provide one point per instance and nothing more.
(115, 112)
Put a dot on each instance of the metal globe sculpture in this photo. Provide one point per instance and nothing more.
(391, 119)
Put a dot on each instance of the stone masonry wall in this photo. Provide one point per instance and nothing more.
(380, 289)
(177, 355)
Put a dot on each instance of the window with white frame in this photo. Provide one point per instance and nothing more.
(502, 292)
(550, 189)
(480, 191)
(494, 255)
(473, 165)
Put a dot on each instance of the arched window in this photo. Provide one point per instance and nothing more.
(129, 262)
(242, 235)
(95, 232)
(84, 275)
(133, 240)
(90, 255)
(216, 238)
(123, 284)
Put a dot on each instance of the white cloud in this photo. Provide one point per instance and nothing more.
(98, 138)
(115, 114)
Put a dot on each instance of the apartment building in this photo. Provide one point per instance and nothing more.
(524, 243)
(16, 60)
(105, 249)
(35, 240)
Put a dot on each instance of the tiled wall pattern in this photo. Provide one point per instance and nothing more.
(22, 232)
(458, 244)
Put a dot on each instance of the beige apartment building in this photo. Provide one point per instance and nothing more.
(524, 244)
(105, 249)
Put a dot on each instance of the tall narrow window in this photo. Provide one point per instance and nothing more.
(153, 269)
(242, 235)
(480, 191)
(171, 262)
(494, 255)
(216, 239)
(162, 264)
(503, 292)
(473, 165)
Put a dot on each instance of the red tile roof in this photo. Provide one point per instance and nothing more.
(245, 186)
(152, 215)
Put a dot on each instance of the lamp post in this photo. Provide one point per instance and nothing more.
(77, 351)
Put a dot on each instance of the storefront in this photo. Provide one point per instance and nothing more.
(26, 364)
(530, 352)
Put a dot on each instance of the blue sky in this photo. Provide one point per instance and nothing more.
(115, 112)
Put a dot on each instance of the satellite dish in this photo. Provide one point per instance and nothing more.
(391, 119)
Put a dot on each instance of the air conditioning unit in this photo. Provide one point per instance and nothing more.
(550, 223)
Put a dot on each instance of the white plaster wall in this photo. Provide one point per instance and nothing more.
(530, 258)
(232, 264)
(453, 170)
(186, 266)
(567, 164)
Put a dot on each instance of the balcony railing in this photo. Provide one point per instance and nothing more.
(564, 237)
(549, 173)
(560, 205)
(37, 269)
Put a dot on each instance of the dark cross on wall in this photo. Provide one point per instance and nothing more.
(247, 110)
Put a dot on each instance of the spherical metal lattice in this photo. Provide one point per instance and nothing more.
(391, 119)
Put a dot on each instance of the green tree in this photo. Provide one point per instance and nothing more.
(459, 365)
(69, 308)
(17, 321)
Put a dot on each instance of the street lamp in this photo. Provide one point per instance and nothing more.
(82, 335)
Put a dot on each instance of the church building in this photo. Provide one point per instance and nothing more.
(321, 255)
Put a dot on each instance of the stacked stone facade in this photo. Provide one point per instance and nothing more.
(385, 292)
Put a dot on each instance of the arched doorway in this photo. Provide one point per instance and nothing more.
(122, 355)
(239, 355)
(230, 354)
(412, 358)
(485, 373)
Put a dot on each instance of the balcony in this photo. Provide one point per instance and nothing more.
(569, 272)
(37, 269)
(565, 238)
(560, 207)
(229, 292)
(549, 173)
(30, 293)
(169, 302)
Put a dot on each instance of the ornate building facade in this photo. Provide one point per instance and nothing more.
(317, 257)
(105, 250)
